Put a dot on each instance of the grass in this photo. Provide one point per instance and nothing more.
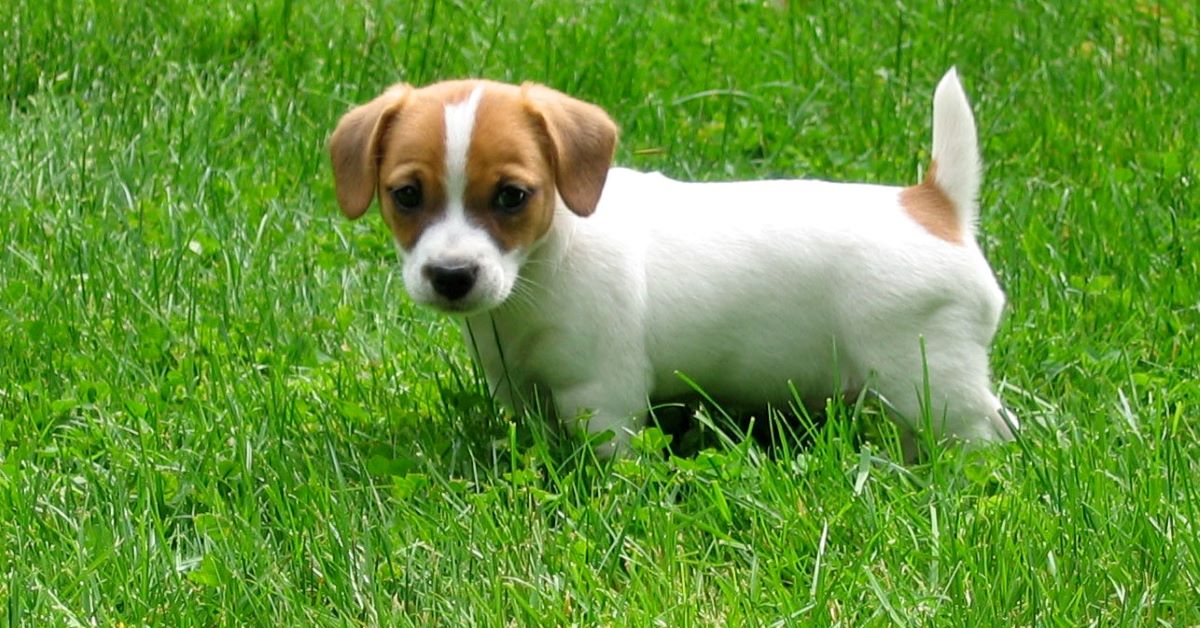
(218, 407)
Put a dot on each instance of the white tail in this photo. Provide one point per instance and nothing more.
(955, 149)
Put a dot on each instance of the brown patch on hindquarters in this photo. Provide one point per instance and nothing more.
(928, 204)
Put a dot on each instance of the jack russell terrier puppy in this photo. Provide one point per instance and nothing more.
(606, 290)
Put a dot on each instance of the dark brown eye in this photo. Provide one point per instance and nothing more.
(407, 197)
(511, 199)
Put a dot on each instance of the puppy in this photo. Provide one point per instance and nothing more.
(605, 289)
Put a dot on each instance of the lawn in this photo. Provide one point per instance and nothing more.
(217, 405)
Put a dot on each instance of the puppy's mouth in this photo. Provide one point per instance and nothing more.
(460, 307)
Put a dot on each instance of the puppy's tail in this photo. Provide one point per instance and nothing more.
(955, 168)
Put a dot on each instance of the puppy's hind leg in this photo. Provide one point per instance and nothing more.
(945, 388)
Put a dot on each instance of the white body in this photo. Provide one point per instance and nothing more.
(745, 287)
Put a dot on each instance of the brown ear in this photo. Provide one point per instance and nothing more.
(581, 138)
(355, 149)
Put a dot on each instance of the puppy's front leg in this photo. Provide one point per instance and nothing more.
(599, 408)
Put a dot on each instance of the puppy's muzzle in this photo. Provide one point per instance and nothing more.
(451, 281)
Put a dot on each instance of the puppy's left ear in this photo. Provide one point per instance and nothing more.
(355, 148)
(580, 139)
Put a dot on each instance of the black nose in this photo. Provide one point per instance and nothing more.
(452, 281)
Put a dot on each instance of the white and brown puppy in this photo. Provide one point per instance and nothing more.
(601, 286)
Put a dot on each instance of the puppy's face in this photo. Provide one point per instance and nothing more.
(469, 174)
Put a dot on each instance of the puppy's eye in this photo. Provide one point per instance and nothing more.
(407, 197)
(511, 199)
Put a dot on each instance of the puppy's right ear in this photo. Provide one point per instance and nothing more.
(355, 148)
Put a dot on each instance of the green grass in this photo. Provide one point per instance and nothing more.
(217, 405)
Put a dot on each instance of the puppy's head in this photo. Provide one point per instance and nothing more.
(469, 174)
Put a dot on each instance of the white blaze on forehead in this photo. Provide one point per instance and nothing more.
(460, 122)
